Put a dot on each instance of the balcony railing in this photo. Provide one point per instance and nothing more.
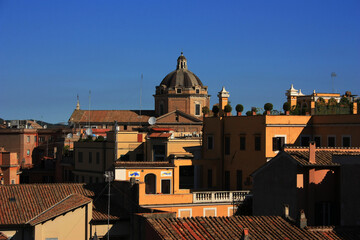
(219, 196)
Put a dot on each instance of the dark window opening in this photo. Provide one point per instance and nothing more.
(242, 143)
(125, 127)
(278, 143)
(150, 184)
(161, 109)
(257, 143)
(331, 141)
(90, 157)
(178, 90)
(346, 142)
(97, 158)
(197, 91)
(239, 180)
(158, 153)
(227, 145)
(227, 180)
(186, 177)
(197, 109)
(165, 186)
(80, 156)
(317, 141)
(125, 157)
(210, 142)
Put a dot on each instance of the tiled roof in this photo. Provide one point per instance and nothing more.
(159, 135)
(323, 156)
(260, 227)
(143, 164)
(23, 202)
(69, 203)
(110, 116)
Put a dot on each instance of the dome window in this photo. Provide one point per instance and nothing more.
(197, 91)
(197, 109)
(178, 90)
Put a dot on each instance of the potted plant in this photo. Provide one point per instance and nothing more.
(227, 109)
(205, 110)
(239, 108)
(286, 108)
(215, 110)
(268, 107)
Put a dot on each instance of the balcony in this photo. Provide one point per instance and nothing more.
(219, 196)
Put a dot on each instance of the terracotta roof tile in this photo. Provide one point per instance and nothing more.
(71, 202)
(323, 156)
(110, 116)
(260, 227)
(3, 236)
(23, 202)
(159, 135)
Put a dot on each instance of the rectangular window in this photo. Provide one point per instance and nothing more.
(90, 157)
(210, 178)
(331, 141)
(159, 153)
(239, 180)
(278, 143)
(242, 143)
(125, 127)
(28, 152)
(346, 141)
(197, 91)
(165, 186)
(227, 180)
(210, 142)
(317, 140)
(28, 139)
(80, 156)
(97, 158)
(257, 143)
(227, 145)
(178, 90)
(35, 139)
(304, 141)
(197, 109)
(41, 139)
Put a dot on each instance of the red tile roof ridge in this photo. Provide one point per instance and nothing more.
(85, 201)
(320, 228)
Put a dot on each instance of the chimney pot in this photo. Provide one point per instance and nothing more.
(302, 221)
(286, 211)
(312, 151)
(245, 235)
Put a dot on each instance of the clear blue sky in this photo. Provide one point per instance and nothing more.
(50, 51)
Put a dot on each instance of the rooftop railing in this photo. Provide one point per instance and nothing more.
(219, 196)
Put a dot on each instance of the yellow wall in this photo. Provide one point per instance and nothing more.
(200, 211)
(68, 226)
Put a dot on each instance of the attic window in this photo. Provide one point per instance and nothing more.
(178, 90)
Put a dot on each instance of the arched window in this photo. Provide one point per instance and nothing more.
(150, 183)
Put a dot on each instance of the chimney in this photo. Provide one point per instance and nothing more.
(245, 234)
(286, 211)
(302, 221)
(312, 151)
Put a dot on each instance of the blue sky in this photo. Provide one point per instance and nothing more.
(50, 51)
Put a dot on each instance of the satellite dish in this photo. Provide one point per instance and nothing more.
(88, 132)
(69, 135)
(152, 120)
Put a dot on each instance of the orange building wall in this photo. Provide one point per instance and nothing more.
(200, 211)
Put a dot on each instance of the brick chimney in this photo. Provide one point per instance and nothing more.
(302, 221)
(245, 235)
(312, 151)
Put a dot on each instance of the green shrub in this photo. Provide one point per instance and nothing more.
(268, 106)
(239, 108)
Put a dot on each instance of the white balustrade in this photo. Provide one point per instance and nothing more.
(219, 196)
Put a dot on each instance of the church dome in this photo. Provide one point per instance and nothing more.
(181, 77)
